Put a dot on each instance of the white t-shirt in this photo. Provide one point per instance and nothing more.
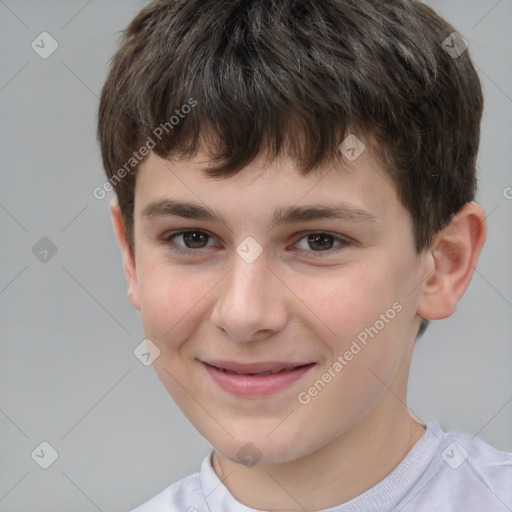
(443, 472)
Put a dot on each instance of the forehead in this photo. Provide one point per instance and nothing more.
(264, 189)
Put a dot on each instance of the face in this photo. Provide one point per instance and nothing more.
(327, 303)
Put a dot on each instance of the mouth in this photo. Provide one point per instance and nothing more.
(255, 379)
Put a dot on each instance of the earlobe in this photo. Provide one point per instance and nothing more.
(128, 258)
(453, 257)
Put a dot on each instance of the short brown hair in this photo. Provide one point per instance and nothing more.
(299, 76)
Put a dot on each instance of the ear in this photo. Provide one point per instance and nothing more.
(128, 257)
(451, 261)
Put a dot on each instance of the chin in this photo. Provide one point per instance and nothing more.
(260, 450)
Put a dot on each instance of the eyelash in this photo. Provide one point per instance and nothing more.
(168, 241)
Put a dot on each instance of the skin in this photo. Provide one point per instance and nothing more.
(288, 305)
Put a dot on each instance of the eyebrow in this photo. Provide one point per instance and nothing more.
(283, 215)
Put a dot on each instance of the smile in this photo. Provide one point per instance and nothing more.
(257, 379)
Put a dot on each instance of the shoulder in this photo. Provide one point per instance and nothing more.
(183, 496)
(467, 473)
(492, 466)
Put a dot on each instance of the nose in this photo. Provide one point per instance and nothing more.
(252, 302)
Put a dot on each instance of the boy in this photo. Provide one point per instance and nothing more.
(294, 203)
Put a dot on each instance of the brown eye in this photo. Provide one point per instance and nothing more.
(194, 239)
(318, 243)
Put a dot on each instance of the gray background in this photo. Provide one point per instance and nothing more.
(68, 373)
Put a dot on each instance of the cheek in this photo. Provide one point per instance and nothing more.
(348, 301)
(360, 315)
(170, 302)
(171, 311)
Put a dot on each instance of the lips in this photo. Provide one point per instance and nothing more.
(255, 379)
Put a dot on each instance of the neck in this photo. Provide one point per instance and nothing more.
(338, 472)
